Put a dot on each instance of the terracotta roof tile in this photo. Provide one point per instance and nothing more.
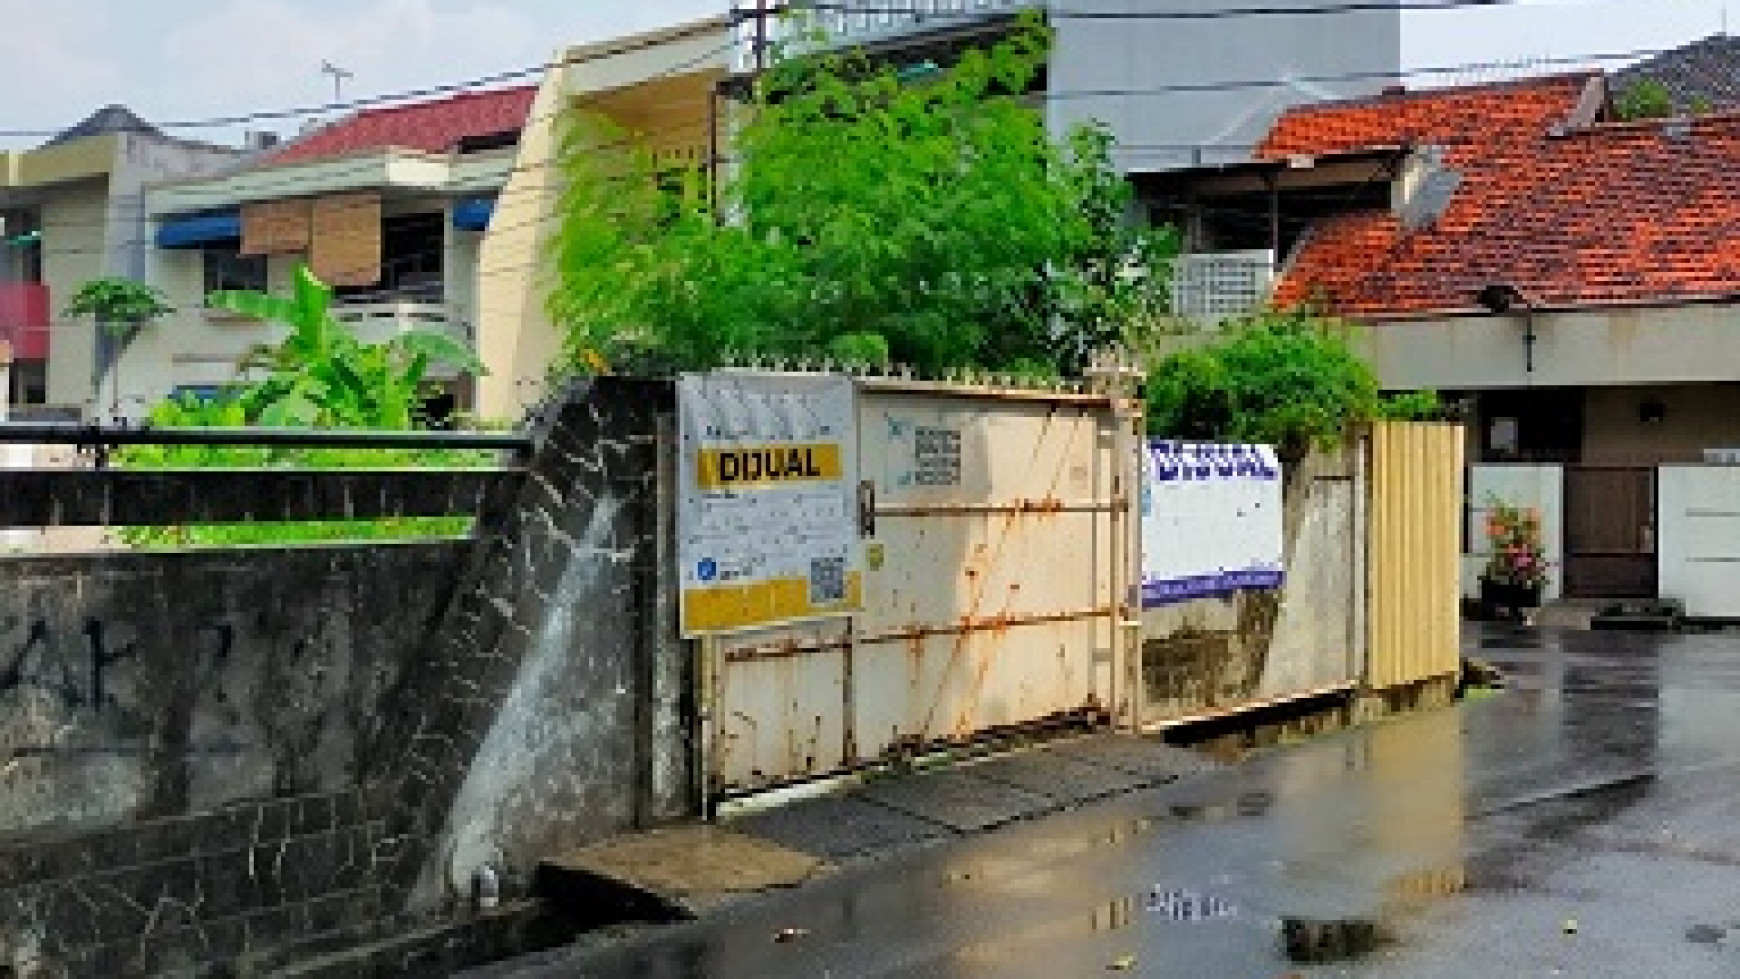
(1611, 213)
(1475, 114)
(433, 127)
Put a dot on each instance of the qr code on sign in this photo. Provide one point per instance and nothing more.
(827, 580)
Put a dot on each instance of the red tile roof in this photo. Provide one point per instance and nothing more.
(1470, 116)
(432, 127)
(1612, 213)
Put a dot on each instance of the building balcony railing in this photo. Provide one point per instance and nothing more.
(1213, 287)
(379, 320)
(862, 21)
(25, 319)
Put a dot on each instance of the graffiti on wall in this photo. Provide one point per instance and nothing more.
(105, 717)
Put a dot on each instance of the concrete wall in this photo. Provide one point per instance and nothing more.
(1160, 130)
(210, 758)
(531, 727)
(516, 337)
(193, 345)
(1614, 346)
(190, 733)
(140, 686)
(1695, 417)
(1217, 655)
(12, 457)
(1117, 69)
(461, 253)
(1539, 487)
(75, 224)
(1699, 546)
(97, 227)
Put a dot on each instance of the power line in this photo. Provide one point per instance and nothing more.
(737, 18)
(1228, 13)
(370, 166)
(1354, 76)
(630, 138)
(1205, 87)
(563, 107)
(633, 138)
(413, 94)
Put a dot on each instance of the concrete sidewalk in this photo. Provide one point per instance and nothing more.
(694, 871)
(886, 816)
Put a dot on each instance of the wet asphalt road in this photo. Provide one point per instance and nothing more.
(1585, 823)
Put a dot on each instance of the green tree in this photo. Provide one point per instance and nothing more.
(1289, 379)
(927, 219)
(1646, 98)
(121, 308)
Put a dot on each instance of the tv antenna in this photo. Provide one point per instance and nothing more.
(339, 77)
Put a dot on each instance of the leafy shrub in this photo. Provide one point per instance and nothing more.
(1646, 98)
(1288, 379)
(319, 374)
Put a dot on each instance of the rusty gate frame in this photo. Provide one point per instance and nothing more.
(1111, 666)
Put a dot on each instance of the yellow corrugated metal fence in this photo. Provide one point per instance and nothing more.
(1414, 553)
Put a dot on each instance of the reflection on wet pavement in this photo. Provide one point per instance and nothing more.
(1586, 822)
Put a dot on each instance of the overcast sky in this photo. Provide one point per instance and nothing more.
(182, 59)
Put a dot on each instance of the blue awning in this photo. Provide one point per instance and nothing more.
(473, 213)
(199, 231)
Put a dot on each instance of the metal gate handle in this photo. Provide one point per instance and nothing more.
(867, 508)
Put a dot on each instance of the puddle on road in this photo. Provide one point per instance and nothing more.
(1176, 905)
(1317, 941)
(1189, 906)
(1706, 935)
(1047, 850)
(1114, 915)
(1424, 886)
(1313, 941)
(1248, 805)
(1525, 639)
(1254, 804)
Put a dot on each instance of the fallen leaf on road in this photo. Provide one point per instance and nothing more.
(1123, 963)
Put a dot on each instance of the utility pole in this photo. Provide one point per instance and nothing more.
(760, 36)
(339, 77)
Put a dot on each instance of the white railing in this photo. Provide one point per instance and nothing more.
(856, 21)
(1213, 287)
(380, 321)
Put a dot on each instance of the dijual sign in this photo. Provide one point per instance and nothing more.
(767, 521)
(1211, 521)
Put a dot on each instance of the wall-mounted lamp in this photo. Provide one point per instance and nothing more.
(1500, 298)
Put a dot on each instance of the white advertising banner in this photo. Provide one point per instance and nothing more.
(1211, 521)
(767, 523)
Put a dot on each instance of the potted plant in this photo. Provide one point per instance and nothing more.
(1516, 563)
